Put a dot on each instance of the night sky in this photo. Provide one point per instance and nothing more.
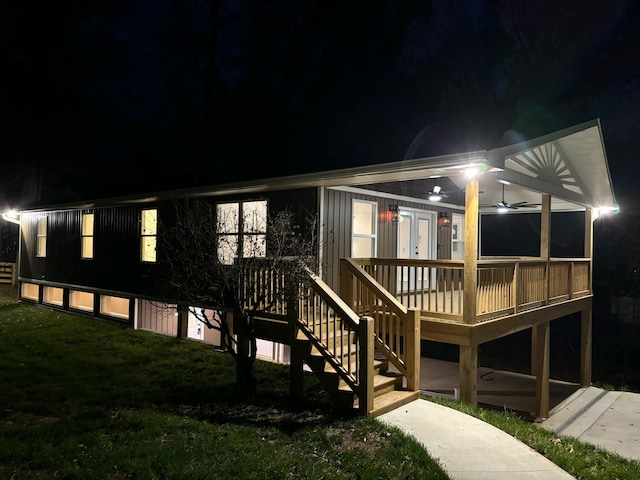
(110, 98)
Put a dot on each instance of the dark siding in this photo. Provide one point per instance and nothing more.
(336, 241)
(116, 265)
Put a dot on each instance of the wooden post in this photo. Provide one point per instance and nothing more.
(365, 371)
(588, 243)
(346, 283)
(468, 374)
(412, 349)
(534, 356)
(586, 318)
(471, 250)
(585, 347)
(542, 369)
(545, 226)
(296, 363)
(183, 321)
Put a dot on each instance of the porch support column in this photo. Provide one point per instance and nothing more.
(586, 318)
(545, 247)
(468, 365)
(541, 334)
(585, 347)
(468, 374)
(470, 250)
(296, 362)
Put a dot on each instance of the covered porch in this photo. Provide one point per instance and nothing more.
(478, 298)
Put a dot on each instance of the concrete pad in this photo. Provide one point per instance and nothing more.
(496, 388)
(607, 419)
(468, 448)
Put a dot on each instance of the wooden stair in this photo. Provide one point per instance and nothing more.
(388, 389)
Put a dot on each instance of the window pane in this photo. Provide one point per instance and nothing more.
(254, 246)
(363, 218)
(362, 247)
(42, 247)
(42, 226)
(227, 249)
(87, 247)
(149, 222)
(87, 224)
(227, 217)
(148, 249)
(255, 216)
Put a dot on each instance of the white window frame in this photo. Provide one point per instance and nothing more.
(41, 236)
(237, 232)
(86, 236)
(374, 224)
(148, 237)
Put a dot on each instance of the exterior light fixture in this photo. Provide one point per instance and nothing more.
(11, 216)
(443, 219)
(435, 195)
(395, 213)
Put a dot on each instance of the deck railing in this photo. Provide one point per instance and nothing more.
(504, 286)
(8, 273)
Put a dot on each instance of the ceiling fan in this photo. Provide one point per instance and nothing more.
(503, 206)
(437, 193)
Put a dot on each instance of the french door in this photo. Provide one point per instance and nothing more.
(416, 234)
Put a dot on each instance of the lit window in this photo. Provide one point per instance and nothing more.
(81, 300)
(87, 235)
(30, 291)
(114, 306)
(364, 229)
(254, 229)
(241, 225)
(53, 295)
(148, 235)
(41, 248)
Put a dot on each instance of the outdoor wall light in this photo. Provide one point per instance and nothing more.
(443, 219)
(395, 213)
(11, 216)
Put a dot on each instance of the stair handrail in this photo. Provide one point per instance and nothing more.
(360, 380)
(410, 318)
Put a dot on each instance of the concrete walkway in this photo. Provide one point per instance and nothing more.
(468, 448)
(607, 419)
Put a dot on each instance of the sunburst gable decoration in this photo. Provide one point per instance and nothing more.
(548, 163)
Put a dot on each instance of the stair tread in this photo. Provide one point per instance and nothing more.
(392, 400)
(379, 380)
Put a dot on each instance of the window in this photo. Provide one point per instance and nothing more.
(81, 300)
(364, 228)
(41, 242)
(114, 306)
(457, 236)
(87, 235)
(53, 295)
(148, 235)
(30, 291)
(241, 226)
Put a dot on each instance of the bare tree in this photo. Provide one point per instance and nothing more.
(228, 266)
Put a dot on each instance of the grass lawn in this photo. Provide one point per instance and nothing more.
(82, 398)
(86, 399)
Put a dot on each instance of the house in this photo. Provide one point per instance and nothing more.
(401, 258)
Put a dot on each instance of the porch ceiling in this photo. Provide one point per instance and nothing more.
(570, 165)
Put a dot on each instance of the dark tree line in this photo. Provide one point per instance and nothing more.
(165, 94)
